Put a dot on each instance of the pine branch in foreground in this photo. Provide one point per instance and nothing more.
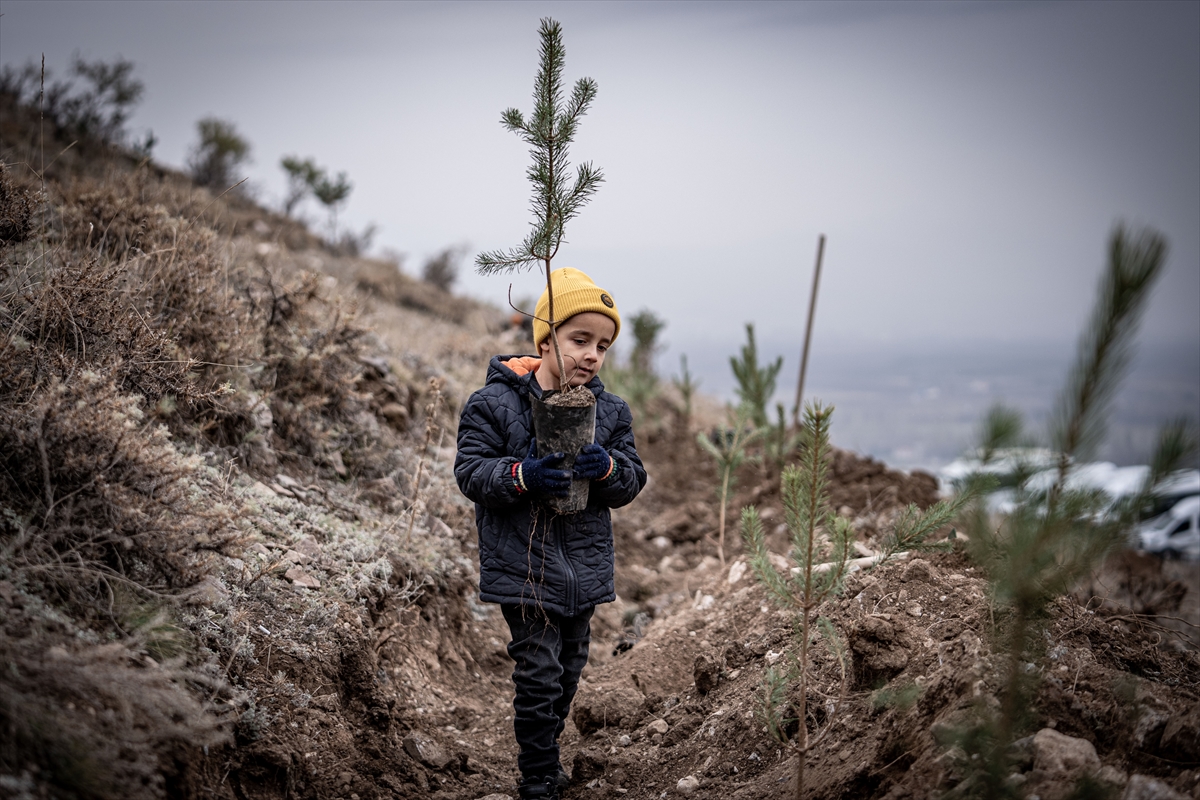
(1104, 349)
(1052, 539)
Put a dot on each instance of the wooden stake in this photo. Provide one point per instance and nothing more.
(812, 310)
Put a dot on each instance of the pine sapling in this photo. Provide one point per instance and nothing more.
(911, 531)
(686, 384)
(637, 381)
(1053, 538)
(819, 537)
(779, 441)
(755, 384)
(548, 132)
(727, 446)
(821, 542)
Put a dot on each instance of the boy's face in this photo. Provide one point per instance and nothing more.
(584, 340)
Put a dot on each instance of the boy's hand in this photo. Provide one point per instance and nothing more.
(594, 463)
(539, 476)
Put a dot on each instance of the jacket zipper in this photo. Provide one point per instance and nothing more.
(572, 578)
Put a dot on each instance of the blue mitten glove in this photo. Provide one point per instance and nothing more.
(594, 463)
(539, 476)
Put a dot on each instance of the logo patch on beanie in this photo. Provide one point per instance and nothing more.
(606, 300)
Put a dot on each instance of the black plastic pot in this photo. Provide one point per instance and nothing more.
(567, 430)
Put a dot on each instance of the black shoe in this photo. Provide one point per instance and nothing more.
(561, 779)
(539, 789)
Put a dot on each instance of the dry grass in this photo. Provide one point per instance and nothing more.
(163, 353)
(97, 721)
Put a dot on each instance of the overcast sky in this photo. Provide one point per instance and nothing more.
(967, 161)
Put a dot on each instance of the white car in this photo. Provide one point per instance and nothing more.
(1176, 533)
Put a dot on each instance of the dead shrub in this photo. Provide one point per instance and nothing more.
(176, 274)
(289, 356)
(313, 355)
(16, 209)
(75, 317)
(94, 495)
(97, 722)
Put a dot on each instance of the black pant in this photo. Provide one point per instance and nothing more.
(550, 652)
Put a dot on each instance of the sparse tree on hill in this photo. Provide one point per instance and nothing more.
(331, 193)
(103, 109)
(301, 177)
(442, 269)
(99, 110)
(220, 151)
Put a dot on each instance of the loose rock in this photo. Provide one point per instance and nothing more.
(426, 750)
(706, 671)
(612, 706)
(590, 762)
(301, 578)
(1058, 762)
(1142, 787)
(920, 571)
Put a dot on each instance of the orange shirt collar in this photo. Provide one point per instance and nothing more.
(523, 365)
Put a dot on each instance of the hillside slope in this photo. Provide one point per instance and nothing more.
(235, 563)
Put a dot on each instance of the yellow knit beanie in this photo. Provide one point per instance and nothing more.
(574, 293)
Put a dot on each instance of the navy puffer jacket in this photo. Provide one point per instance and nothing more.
(528, 554)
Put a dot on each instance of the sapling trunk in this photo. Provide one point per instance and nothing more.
(802, 712)
(563, 382)
(721, 524)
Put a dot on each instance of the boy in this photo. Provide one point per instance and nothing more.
(548, 572)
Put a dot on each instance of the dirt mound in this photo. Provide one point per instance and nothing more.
(919, 634)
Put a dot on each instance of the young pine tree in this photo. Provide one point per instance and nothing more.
(755, 384)
(1053, 538)
(820, 549)
(686, 384)
(637, 381)
(556, 199)
(727, 446)
(821, 542)
(779, 441)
